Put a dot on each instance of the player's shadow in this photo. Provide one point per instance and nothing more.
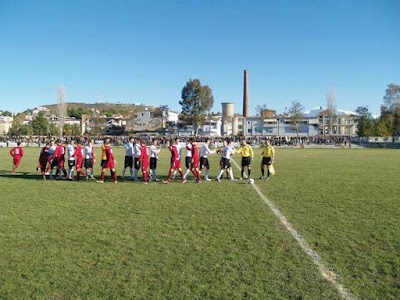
(37, 176)
(20, 175)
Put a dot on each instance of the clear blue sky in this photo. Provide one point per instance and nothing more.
(145, 51)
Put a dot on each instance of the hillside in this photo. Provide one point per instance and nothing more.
(106, 108)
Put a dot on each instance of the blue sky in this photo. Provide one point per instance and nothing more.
(145, 51)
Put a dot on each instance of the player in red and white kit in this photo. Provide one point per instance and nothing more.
(144, 161)
(59, 157)
(78, 155)
(17, 153)
(195, 164)
(175, 161)
(43, 160)
(109, 162)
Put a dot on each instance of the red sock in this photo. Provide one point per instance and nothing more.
(144, 176)
(102, 176)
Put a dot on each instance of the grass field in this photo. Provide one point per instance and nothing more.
(69, 240)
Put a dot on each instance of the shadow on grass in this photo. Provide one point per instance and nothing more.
(37, 176)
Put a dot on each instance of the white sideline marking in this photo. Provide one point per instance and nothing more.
(325, 272)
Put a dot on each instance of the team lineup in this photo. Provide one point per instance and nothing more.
(139, 156)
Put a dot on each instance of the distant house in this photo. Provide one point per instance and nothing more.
(5, 124)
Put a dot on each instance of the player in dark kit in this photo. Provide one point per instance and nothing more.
(43, 160)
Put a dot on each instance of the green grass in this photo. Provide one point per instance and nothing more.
(68, 240)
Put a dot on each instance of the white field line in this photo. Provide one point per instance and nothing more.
(325, 272)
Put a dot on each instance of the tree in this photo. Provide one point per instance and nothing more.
(7, 113)
(260, 108)
(197, 101)
(61, 109)
(40, 125)
(26, 129)
(366, 124)
(77, 113)
(331, 106)
(390, 110)
(72, 130)
(16, 126)
(392, 97)
(296, 114)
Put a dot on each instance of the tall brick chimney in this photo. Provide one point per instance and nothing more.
(245, 95)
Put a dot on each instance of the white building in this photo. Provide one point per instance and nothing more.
(5, 124)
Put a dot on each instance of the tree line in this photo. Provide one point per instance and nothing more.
(388, 123)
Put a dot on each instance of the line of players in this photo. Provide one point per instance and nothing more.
(82, 158)
(195, 161)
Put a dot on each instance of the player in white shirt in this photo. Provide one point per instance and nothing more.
(153, 160)
(71, 159)
(188, 159)
(226, 155)
(137, 151)
(90, 159)
(204, 152)
(50, 154)
(179, 147)
(128, 158)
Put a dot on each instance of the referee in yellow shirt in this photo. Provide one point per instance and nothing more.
(247, 156)
(268, 156)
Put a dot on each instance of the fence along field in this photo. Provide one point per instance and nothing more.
(82, 239)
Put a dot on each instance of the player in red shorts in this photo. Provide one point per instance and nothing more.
(109, 162)
(59, 156)
(144, 160)
(78, 154)
(43, 160)
(175, 161)
(17, 153)
(195, 164)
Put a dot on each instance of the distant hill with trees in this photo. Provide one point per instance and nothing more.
(75, 109)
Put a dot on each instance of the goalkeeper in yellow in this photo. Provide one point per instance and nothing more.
(247, 156)
(268, 156)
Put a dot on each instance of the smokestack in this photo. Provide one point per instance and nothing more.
(245, 95)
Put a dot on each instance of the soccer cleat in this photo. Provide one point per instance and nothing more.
(100, 181)
(92, 177)
(218, 179)
(261, 177)
(267, 178)
(208, 179)
(165, 181)
(241, 178)
(115, 182)
(183, 181)
(145, 182)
